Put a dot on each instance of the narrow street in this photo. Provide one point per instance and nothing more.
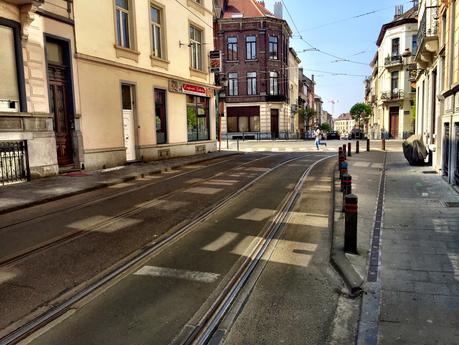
(205, 221)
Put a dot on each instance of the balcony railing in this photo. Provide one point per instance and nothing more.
(14, 162)
(394, 95)
(428, 26)
(393, 60)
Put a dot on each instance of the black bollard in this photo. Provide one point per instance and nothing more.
(383, 144)
(350, 227)
(357, 146)
(344, 151)
(368, 145)
(349, 149)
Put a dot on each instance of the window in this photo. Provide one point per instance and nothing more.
(243, 119)
(231, 54)
(156, 31)
(395, 46)
(123, 25)
(196, 48)
(251, 47)
(160, 114)
(273, 51)
(273, 83)
(394, 81)
(414, 44)
(232, 84)
(197, 111)
(252, 83)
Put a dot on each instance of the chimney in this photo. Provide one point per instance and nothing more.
(398, 11)
(278, 10)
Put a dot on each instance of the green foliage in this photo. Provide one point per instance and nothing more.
(361, 113)
(413, 111)
(325, 127)
(306, 113)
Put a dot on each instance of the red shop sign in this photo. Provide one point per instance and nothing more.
(194, 89)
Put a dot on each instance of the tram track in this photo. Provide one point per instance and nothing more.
(71, 236)
(205, 331)
(147, 251)
(117, 193)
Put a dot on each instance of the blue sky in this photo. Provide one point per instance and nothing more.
(352, 39)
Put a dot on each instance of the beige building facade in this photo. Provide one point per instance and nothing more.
(146, 90)
(293, 81)
(39, 98)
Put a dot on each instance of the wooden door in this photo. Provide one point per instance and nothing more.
(59, 107)
(393, 122)
(275, 123)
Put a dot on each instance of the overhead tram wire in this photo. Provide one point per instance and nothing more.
(313, 48)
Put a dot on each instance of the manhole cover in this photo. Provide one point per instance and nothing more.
(450, 203)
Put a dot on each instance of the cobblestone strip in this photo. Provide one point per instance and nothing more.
(371, 301)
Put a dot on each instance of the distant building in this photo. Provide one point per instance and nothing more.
(344, 124)
(391, 90)
(254, 45)
(293, 81)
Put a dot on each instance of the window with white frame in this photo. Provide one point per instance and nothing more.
(123, 24)
(252, 83)
(196, 48)
(156, 31)
(273, 83)
(251, 47)
(233, 84)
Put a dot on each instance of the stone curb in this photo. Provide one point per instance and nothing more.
(338, 260)
(112, 182)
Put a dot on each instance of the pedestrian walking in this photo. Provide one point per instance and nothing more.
(318, 135)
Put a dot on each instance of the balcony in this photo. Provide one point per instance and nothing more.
(393, 61)
(393, 96)
(427, 36)
(276, 98)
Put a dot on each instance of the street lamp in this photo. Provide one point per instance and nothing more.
(222, 81)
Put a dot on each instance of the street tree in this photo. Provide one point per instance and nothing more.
(306, 114)
(361, 113)
(325, 127)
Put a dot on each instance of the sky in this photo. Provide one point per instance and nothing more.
(327, 26)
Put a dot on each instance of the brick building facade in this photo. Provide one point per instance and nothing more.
(254, 47)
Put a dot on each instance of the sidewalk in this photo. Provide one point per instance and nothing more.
(22, 195)
(415, 298)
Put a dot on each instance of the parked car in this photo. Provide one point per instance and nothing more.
(333, 135)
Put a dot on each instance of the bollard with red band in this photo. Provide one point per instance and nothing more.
(357, 146)
(349, 149)
(346, 186)
(350, 223)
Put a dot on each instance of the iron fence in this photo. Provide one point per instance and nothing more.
(14, 162)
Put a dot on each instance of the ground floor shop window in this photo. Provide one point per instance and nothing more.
(243, 119)
(197, 110)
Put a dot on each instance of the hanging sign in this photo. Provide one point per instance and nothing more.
(215, 61)
(189, 89)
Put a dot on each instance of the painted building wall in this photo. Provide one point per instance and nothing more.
(103, 67)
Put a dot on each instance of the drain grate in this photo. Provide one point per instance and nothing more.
(450, 203)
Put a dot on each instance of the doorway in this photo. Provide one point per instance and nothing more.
(127, 96)
(393, 122)
(446, 149)
(160, 116)
(275, 123)
(60, 100)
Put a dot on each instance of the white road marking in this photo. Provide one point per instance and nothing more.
(377, 165)
(221, 242)
(361, 164)
(261, 149)
(194, 180)
(167, 205)
(154, 271)
(6, 275)
(203, 190)
(275, 149)
(257, 214)
(121, 185)
(103, 224)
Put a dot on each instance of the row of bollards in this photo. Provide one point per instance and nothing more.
(350, 201)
